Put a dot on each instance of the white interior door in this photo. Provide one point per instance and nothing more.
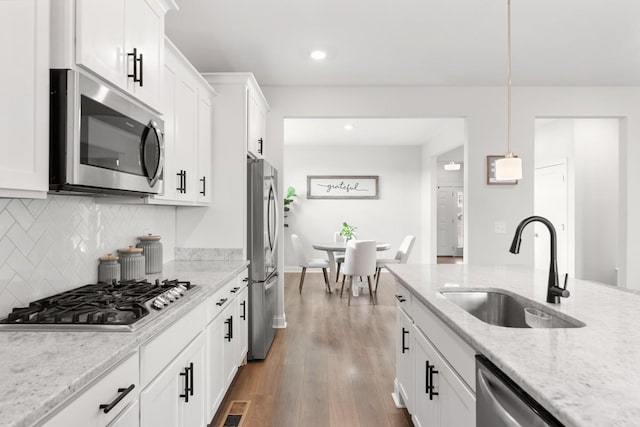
(551, 202)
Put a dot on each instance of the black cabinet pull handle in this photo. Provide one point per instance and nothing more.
(179, 189)
(228, 335)
(426, 377)
(123, 392)
(260, 142)
(243, 316)
(400, 298)
(203, 180)
(141, 71)
(246, 279)
(184, 186)
(221, 302)
(431, 387)
(404, 347)
(185, 374)
(134, 54)
(191, 378)
(234, 290)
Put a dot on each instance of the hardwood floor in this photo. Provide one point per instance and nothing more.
(332, 366)
(450, 260)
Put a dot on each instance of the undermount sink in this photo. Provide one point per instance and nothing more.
(508, 310)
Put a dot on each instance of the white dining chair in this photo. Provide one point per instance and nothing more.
(305, 262)
(337, 238)
(401, 257)
(359, 260)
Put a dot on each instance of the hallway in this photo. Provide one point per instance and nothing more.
(332, 366)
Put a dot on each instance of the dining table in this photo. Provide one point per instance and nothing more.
(331, 248)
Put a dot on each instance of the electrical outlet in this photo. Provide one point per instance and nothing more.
(500, 227)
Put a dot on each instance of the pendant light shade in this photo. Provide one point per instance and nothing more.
(508, 168)
(452, 166)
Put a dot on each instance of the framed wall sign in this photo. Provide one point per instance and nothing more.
(491, 172)
(342, 187)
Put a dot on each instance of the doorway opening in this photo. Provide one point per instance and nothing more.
(450, 206)
(576, 186)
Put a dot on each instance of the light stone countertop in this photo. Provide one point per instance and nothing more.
(39, 370)
(587, 376)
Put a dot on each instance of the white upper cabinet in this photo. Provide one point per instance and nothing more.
(24, 98)
(144, 44)
(121, 41)
(188, 113)
(257, 121)
(247, 110)
(205, 139)
(100, 38)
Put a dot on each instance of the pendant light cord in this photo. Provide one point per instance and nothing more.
(508, 77)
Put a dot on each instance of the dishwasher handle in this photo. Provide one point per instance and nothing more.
(502, 403)
(495, 392)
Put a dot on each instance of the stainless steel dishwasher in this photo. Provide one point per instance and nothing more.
(502, 403)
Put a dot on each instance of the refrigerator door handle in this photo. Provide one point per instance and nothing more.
(277, 213)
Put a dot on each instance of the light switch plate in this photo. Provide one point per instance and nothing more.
(500, 227)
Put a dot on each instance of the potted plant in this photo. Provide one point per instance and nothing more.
(291, 192)
(347, 231)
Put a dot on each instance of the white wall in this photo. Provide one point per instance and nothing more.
(389, 218)
(53, 245)
(596, 178)
(485, 111)
(590, 147)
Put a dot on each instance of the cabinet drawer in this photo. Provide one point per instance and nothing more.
(217, 302)
(85, 410)
(459, 354)
(157, 353)
(404, 299)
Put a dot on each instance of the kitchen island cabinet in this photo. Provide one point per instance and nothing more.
(427, 383)
(559, 368)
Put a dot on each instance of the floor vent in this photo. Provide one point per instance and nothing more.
(234, 417)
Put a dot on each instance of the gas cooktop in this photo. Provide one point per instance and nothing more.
(116, 306)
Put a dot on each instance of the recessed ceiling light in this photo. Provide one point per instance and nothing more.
(348, 127)
(318, 55)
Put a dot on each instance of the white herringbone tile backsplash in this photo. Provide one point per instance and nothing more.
(49, 246)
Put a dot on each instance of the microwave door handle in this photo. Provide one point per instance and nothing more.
(160, 141)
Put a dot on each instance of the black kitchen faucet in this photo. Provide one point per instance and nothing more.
(554, 291)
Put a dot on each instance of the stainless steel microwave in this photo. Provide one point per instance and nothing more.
(100, 141)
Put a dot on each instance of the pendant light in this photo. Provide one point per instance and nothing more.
(509, 167)
(452, 166)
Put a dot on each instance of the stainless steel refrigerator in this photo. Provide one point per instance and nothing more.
(262, 237)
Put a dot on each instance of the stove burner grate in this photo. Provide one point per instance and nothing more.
(116, 303)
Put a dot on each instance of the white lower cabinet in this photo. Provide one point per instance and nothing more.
(104, 400)
(215, 371)
(130, 417)
(404, 359)
(242, 325)
(440, 397)
(434, 377)
(176, 396)
(227, 339)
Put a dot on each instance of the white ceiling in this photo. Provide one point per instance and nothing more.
(369, 131)
(413, 42)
